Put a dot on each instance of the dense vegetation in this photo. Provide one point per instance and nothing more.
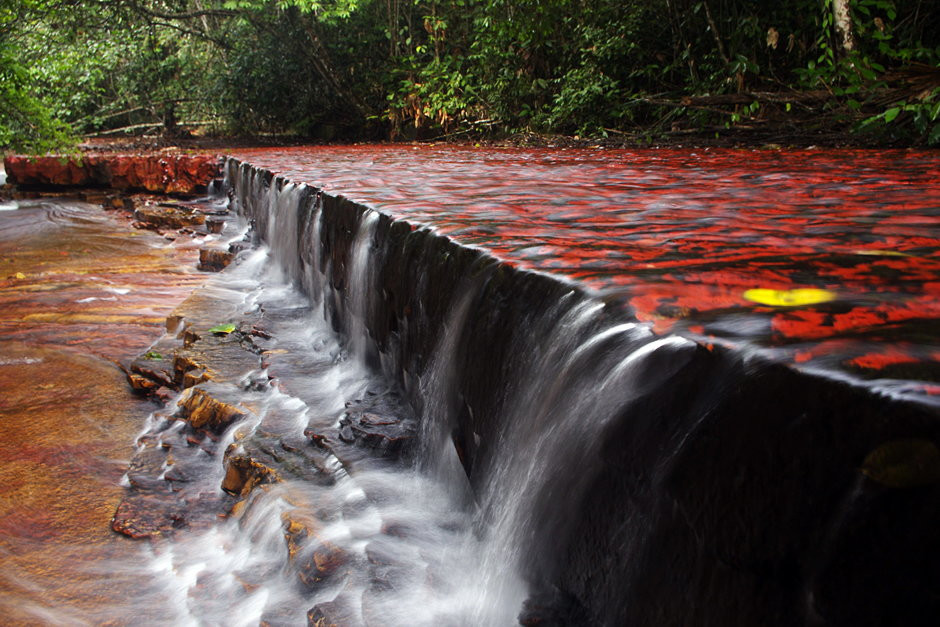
(341, 69)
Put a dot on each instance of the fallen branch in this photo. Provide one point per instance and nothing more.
(137, 127)
(799, 97)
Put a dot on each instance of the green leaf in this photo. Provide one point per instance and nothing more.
(222, 329)
(907, 463)
(152, 355)
(934, 137)
(891, 113)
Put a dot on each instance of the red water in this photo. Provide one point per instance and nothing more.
(80, 290)
(681, 235)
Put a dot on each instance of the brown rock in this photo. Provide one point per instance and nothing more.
(340, 612)
(168, 216)
(184, 362)
(60, 171)
(165, 394)
(156, 368)
(320, 564)
(195, 377)
(142, 384)
(243, 474)
(215, 224)
(202, 410)
(214, 259)
(183, 174)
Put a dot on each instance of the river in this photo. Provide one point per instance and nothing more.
(561, 455)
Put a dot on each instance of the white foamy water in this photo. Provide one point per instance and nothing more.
(362, 540)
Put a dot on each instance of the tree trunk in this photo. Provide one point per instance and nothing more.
(842, 17)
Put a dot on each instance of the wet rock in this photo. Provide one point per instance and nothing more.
(215, 224)
(120, 203)
(380, 423)
(185, 361)
(346, 434)
(138, 516)
(152, 370)
(164, 173)
(319, 564)
(181, 473)
(554, 608)
(224, 357)
(243, 474)
(278, 617)
(318, 439)
(164, 394)
(387, 577)
(202, 410)
(315, 559)
(237, 247)
(380, 552)
(164, 216)
(264, 456)
(142, 384)
(388, 436)
(94, 197)
(142, 515)
(195, 376)
(150, 459)
(340, 612)
(881, 567)
(214, 259)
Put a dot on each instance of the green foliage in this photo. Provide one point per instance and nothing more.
(326, 68)
(27, 124)
(855, 76)
(920, 118)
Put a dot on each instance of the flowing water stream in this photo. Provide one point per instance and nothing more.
(417, 547)
(531, 405)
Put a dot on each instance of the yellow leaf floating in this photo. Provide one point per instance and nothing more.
(881, 253)
(20, 275)
(789, 298)
(222, 329)
(904, 464)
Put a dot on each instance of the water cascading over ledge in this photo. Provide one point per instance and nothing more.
(629, 478)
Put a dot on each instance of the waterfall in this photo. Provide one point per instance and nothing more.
(570, 464)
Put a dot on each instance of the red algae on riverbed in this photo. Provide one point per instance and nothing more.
(80, 290)
(681, 236)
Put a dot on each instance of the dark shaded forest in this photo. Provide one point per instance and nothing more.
(341, 70)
